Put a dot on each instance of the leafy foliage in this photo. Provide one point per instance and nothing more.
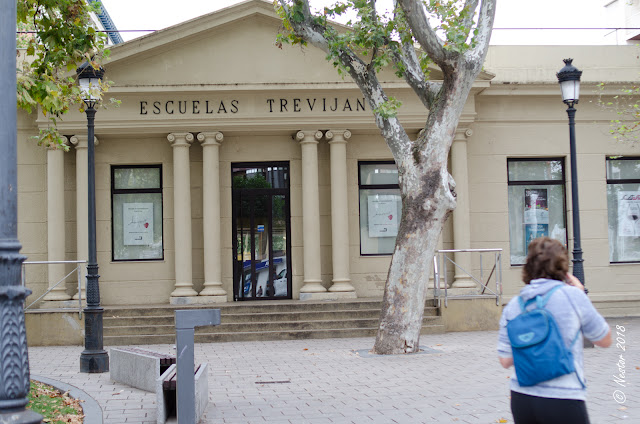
(377, 38)
(627, 106)
(447, 33)
(56, 35)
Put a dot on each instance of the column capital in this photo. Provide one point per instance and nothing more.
(308, 136)
(462, 134)
(210, 138)
(337, 136)
(180, 139)
(55, 146)
(80, 141)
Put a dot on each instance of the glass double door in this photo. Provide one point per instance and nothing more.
(261, 231)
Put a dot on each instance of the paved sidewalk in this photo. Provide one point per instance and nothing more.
(337, 381)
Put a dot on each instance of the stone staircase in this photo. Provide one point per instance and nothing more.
(257, 320)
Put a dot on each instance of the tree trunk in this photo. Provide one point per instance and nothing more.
(427, 200)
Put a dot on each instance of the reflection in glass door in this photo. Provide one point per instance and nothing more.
(261, 231)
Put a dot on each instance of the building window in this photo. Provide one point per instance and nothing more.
(623, 204)
(380, 207)
(136, 205)
(536, 203)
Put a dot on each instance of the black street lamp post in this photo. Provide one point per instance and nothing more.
(14, 358)
(94, 359)
(569, 79)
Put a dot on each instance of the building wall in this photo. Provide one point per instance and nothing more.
(514, 111)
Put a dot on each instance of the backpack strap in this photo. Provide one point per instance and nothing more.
(540, 301)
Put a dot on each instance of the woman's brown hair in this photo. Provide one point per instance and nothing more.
(547, 258)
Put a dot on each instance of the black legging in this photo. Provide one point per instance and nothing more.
(528, 409)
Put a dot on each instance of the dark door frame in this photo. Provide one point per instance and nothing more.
(251, 194)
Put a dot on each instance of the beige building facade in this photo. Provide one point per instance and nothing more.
(235, 170)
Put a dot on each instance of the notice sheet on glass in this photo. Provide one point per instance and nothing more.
(536, 214)
(383, 215)
(628, 214)
(137, 219)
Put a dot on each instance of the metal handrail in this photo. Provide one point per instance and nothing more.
(79, 270)
(497, 268)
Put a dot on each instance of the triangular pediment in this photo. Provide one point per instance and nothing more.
(229, 48)
(233, 46)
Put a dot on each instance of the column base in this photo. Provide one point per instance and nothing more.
(463, 282)
(313, 287)
(342, 286)
(197, 300)
(328, 296)
(213, 289)
(57, 295)
(25, 416)
(184, 292)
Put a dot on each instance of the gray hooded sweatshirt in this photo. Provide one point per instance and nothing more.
(573, 312)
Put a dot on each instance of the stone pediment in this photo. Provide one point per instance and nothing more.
(233, 46)
(228, 49)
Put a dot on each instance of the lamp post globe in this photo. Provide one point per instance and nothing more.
(569, 80)
(94, 359)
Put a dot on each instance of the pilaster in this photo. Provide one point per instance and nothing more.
(182, 217)
(212, 290)
(56, 240)
(461, 217)
(310, 214)
(340, 213)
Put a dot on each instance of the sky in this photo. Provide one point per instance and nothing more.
(159, 14)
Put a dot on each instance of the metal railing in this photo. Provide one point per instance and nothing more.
(79, 269)
(442, 258)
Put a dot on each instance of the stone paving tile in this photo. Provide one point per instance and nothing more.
(329, 382)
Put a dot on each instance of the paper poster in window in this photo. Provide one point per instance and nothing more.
(383, 215)
(536, 207)
(533, 231)
(137, 220)
(629, 214)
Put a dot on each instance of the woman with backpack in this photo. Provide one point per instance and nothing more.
(540, 333)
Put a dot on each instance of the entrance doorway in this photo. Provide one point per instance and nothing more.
(261, 231)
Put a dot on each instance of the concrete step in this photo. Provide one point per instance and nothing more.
(256, 326)
(247, 307)
(259, 320)
(259, 336)
(226, 317)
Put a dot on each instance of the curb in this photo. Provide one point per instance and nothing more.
(90, 407)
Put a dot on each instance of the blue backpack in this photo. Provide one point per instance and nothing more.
(539, 353)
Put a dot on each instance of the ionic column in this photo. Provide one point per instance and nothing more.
(82, 201)
(56, 222)
(461, 218)
(211, 215)
(182, 214)
(339, 211)
(310, 211)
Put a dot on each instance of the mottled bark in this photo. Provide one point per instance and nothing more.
(428, 194)
(427, 201)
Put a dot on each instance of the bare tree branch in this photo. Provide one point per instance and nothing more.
(427, 91)
(366, 79)
(485, 24)
(423, 32)
(470, 5)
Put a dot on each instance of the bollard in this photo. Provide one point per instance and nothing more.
(186, 321)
